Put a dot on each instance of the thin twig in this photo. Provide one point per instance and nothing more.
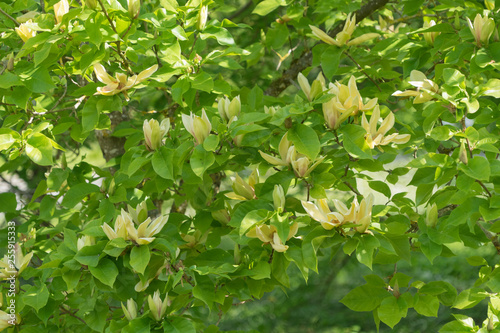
(60, 98)
(107, 16)
(72, 314)
(491, 236)
(352, 188)
(362, 70)
(9, 17)
(484, 186)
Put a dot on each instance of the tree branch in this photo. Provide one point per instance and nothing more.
(9, 17)
(305, 60)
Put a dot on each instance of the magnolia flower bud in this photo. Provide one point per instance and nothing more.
(157, 306)
(482, 29)
(202, 18)
(430, 36)
(92, 4)
(130, 311)
(279, 198)
(490, 4)
(222, 216)
(228, 110)
(25, 32)
(199, 127)
(154, 133)
(462, 156)
(60, 9)
(241, 188)
(237, 255)
(10, 62)
(85, 241)
(134, 7)
(431, 215)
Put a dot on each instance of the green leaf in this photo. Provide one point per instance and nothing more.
(179, 33)
(179, 325)
(39, 149)
(365, 298)
(364, 251)
(90, 115)
(93, 28)
(267, 6)
(222, 36)
(211, 142)
(381, 187)
(139, 258)
(201, 160)
(391, 310)
(204, 290)
(36, 296)
(163, 162)
(39, 81)
(9, 202)
(477, 168)
(492, 88)
(77, 193)
(89, 255)
(252, 218)
(330, 60)
(6, 140)
(202, 81)
(305, 140)
(427, 305)
(8, 80)
(353, 137)
(138, 325)
(105, 271)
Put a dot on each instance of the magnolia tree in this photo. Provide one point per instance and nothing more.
(239, 140)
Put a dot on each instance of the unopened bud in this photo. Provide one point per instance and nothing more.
(222, 216)
(134, 7)
(10, 62)
(240, 187)
(60, 9)
(237, 255)
(490, 4)
(130, 311)
(154, 133)
(202, 18)
(431, 215)
(92, 4)
(279, 198)
(463, 153)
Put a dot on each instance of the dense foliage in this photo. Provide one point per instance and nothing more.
(239, 140)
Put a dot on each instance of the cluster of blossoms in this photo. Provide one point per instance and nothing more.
(359, 214)
(125, 225)
(301, 164)
(268, 234)
(157, 307)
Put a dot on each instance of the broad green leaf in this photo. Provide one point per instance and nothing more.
(201, 160)
(381, 187)
(427, 305)
(365, 298)
(89, 255)
(36, 296)
(202, 81)
(90, 115)
(492, 88)
(211, 143)
(139, 258)
(163, 162)
(267, 6)
(391, 310)
(179, 325)
(330, 60)
(353, 137)
(9, 202)
(305, 140)
(477, 168)
(8, 80)
(39, 149)
(105, 271)
(77, 193)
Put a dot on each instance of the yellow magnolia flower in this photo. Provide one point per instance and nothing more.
(9, 267)
(482, 29)
(322, 213)
(134, 7)
(7, 320)
(154, 133)
(198, 127)
(25, 30)
(311, 91)
(141, 286)
(360, 214)
(229, 110)
(157, 306)
(243, 190)
(431, 215)
(146, 230)
(121, 83)
(194, 239)
(430, 36)
(279, 198)
(424, 88)
(85, 241)
(285, 149)
(130, 311)
(271, 110)
(269, 235)
(301, 164)
(376, 137)
(343, 37)
(60, 9)
(125, 228)
(347, 99)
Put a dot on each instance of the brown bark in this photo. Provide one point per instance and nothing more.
(112, 146)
